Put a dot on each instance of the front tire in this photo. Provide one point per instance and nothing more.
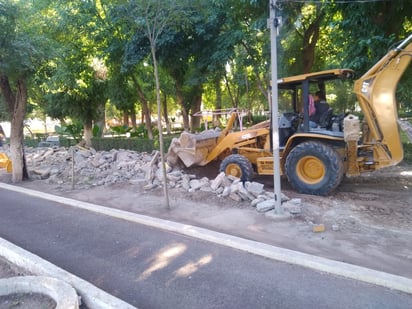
(237, 166)
(314, 168)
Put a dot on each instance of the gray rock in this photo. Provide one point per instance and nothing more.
(254, 188)
(177, 174)
(150, 186)
(137, 181)
(186, 182)
(206, 188)
(218, 181)
(219, 190)
(293, 206)
(123, 155)
(195, 184)
(43, 172)
(234, 187)
(256, 201)
(265, 205)
(235, 197)
(271, 195)
(226, 192)
(335, 227)
(244, 193)
(173, 177)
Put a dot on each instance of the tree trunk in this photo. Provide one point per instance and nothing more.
(196, 108)
(133, 118)
(159, 124)
(142, 116)
(16, 135)
(218, 89)
(310, 38)
(165, 114)
(146, 110)
(125, 118)
(148, 119)
(88, 132)
(232, 97)
(101, 119)
(185, 116)
(185, 113)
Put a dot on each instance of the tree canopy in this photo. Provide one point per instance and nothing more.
(76, 58)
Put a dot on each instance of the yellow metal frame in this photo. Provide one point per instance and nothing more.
(376, 94)
(5, 162)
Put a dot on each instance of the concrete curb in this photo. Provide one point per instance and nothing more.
(92, 296)
(62, 293)
(367, 275)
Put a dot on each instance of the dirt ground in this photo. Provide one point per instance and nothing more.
(368, 219)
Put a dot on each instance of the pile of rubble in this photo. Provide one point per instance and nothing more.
(104, 168)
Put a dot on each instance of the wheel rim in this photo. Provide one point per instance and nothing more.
(310, 169)
(234, 170)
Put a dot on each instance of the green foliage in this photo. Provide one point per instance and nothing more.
(87, 53)
(136, 144)
(73, 130)
(96, 131)
(407, 149)
(4, 115)
(404, 92)
(367, 30)
(121, 130)
(139, 131)
(407, 146)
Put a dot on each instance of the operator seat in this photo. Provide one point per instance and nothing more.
(326, 119)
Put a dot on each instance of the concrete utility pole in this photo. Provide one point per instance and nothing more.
(273, 25)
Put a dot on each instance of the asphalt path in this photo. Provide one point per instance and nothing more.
(153, 268)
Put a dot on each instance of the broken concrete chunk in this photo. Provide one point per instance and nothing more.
(195, 184)
(218, 181)
(98, 168)
(254, 188)
(256, 201)
(219, 190)
(42, 172)
(293, 206)
(150, 186)
(172, 177)
(271, 195)
(265, 205)
(226, 192)
(235, 197)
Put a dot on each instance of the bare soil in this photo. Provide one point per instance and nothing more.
(368, 219)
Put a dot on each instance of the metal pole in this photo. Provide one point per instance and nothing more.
(72, 171)
(273, 24)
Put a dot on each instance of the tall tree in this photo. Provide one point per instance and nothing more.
(22, 52)
(78, 81)
(366, 31)
(300, 36)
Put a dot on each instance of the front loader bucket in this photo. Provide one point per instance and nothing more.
(192, 149)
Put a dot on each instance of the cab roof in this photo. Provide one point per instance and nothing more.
(316, 77)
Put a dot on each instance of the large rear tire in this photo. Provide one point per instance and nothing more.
(314, 168)
(238, 166)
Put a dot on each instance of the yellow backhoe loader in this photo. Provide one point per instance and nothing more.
(314, 159)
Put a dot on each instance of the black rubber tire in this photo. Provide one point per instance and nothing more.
(314, 168)
(238, 166)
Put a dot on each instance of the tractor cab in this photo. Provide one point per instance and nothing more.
(296, 103)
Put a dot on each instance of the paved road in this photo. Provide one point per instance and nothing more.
(151, 268)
